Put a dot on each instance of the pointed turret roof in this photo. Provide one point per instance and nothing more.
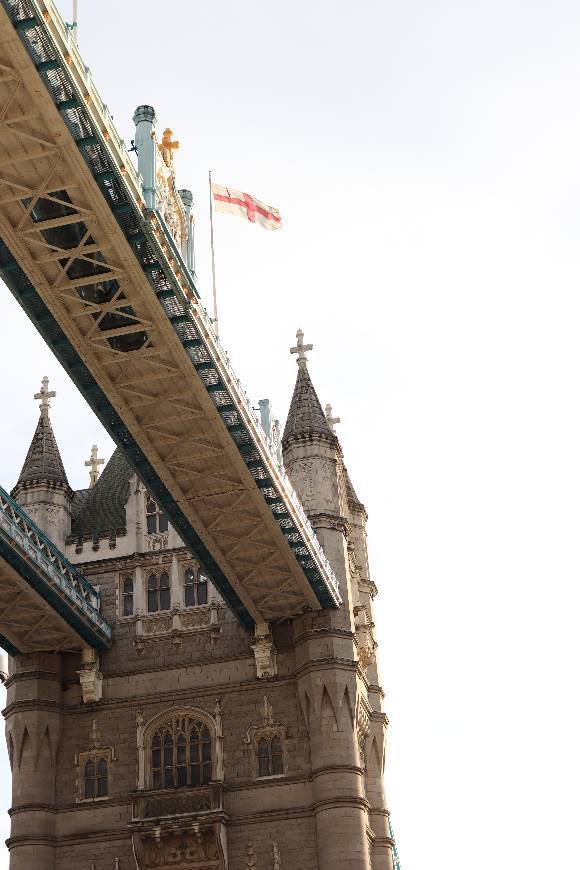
(306, 417)
(43, 463)
(353, 500)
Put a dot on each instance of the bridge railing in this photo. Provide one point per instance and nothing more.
(64, 578)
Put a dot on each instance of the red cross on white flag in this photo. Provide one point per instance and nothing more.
(232, 201)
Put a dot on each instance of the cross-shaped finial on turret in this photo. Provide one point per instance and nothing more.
(94, 463)
(44, 397)
(301, 349)
(329, 418)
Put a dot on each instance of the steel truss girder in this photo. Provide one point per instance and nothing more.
(270, 589)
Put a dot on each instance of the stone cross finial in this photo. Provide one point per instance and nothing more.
(301, 349)
(329, 418)
(45, 396)
(94, 463)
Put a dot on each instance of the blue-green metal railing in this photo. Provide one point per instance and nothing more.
(38, 561)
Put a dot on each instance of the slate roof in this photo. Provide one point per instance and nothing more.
(102, 509)
(306, 417)
(43, 463)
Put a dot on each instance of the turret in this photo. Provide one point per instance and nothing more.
(144, 119)
(43, 489)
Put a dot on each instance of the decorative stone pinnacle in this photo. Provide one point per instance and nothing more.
(45, 396)
(93, 462)
(329, 418)
(301, 349)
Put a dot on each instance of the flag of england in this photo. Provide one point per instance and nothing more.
(232, 201)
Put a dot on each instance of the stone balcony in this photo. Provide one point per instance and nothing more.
(176, 623)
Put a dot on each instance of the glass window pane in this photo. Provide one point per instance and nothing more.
(181, 749)
(169, 777)
(207, 773)
(152, 605)
(128, 586)
(195, 778)
(163, 523)
(189, 596)
(156, 779)
(151, 524)
(156, 758)
(164, 599)
(182, 775)
(127, 605)
(263, 765)
(152, 581)
(164, 580)
(151, 506)
(202, 590)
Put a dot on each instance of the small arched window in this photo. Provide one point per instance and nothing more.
(158, 592)
(127, 594)
(181, 753)
(270, 756)
(156, 520)
(95, 778)
(195, 586)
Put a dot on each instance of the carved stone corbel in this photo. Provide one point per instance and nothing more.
(264, 653)
(90, 677)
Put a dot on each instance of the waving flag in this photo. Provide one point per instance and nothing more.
(231, 201)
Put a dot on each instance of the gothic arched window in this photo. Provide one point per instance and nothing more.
(270, 756)
(195, 587)
(158, 592)
(95, 778)
(156, 520)
(181, 753)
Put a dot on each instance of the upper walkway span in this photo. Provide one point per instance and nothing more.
(104, 282)
(45, 603)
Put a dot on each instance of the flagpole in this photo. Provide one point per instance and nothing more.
(215, 311)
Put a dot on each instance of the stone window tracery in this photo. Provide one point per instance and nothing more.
(95, 778)
(94, 768)
(267, 741)
(270, 758)
(195, 587)
(158, 591)
(157, 522)
(181, 753)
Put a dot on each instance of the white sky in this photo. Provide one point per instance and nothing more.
(425, 157)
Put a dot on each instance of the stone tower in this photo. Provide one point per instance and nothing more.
(191, 743)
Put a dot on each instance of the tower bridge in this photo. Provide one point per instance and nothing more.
(101, 269)
(145, 726)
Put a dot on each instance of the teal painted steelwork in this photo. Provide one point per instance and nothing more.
(396, 860)
(36, 559)
(162, 277)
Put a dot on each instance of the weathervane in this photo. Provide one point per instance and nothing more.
(301, 349)
(45, 396)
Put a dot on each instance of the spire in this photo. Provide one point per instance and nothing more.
(43, 462)
(305, 417)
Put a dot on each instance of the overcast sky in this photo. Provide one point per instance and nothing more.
(425, 157)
